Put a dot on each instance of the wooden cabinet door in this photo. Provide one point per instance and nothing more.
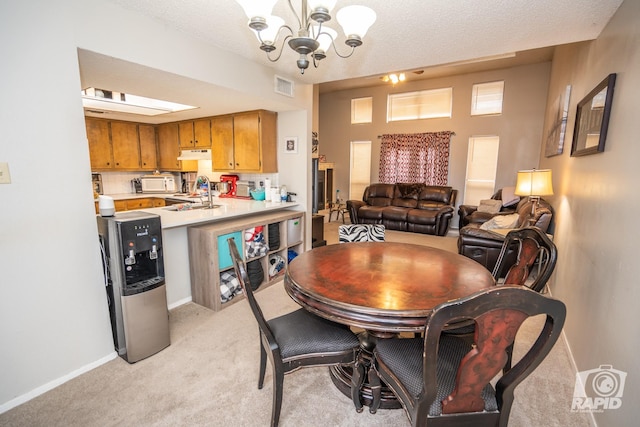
(148, 147)
(126, 150)
(100, 151)
(202, 133)
(246, 142)
(185, 132)
(168, 147)
(139, 203)
(222, 143)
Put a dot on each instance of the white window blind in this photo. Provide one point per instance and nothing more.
(425, 104)
(486, 98)
(361, 110)
(482, 164)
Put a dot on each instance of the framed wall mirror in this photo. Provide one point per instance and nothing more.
(592, 119)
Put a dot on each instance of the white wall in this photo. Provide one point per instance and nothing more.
(54, 321)
(596, 204)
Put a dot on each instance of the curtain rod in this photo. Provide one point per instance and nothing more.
(452, 134)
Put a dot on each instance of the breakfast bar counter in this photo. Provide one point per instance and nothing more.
(175, 237)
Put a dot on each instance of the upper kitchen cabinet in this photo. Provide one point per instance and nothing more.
(122, 146)
(254, 146)
(195, 134)
(148, 147)
(222, 143)
(169, 150)
(99, 144)
(126, 148)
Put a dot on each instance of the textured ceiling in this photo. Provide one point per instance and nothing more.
(407, 35)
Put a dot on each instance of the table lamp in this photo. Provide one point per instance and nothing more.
(534, 184)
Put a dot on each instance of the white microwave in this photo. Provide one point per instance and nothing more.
(158, 184)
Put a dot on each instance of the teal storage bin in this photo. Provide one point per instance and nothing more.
(224, 257)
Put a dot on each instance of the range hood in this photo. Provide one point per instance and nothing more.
(195, 155)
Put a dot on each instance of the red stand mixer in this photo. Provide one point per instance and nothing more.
(232, 186)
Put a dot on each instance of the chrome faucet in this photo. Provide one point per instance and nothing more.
(209, 203)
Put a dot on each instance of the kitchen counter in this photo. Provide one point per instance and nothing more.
(175, 240)
(229, 208)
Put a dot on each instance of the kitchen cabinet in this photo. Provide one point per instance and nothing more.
(253, 146)
(222, 143)
(100, 151)
(119, 145)
(209, 252)
(169, 150)
(195, 134)
(132, 204)
(125, 145)
(148, 147)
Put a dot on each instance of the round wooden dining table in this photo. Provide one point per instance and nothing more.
(381, 287)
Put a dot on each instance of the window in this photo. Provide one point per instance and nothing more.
(360, 171)
(486, 98)
(361, 110)
(425, 104)
(482, 163)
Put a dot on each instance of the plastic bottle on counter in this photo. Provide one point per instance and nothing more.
(283, 193)
(267, 189)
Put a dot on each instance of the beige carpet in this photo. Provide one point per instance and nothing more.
(208, 377)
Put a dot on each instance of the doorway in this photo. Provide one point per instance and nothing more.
(360, 170)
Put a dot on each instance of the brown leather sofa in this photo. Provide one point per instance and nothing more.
(418, 208)
(484, 246)
(468, 214)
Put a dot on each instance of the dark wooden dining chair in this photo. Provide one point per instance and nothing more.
(525, 249)
(349, 233)
(444, 380)
(294, 340)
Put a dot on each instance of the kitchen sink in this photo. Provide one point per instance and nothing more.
(192, 207)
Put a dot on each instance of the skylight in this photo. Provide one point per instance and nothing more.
(101, 99)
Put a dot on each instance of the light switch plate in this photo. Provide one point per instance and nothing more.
(5, 177)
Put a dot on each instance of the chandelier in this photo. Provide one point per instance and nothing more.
(309, 39)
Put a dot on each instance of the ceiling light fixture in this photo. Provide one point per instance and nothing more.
(394, 78)
(314, 40)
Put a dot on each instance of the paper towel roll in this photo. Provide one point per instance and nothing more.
(267, 189)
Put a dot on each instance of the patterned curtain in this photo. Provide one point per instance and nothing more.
(415, 158)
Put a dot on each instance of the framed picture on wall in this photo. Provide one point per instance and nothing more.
(291, 144)
(592, 119)
(555, 139)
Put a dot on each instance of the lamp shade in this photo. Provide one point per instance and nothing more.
(328, 5)
(325, 38)
(356, 20)
(269, 34)
(534, 183)
(257, 8)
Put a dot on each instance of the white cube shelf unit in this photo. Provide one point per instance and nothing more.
(209, 253)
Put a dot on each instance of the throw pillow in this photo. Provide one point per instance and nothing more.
(501, 221)
(508, 196)
(490, 206)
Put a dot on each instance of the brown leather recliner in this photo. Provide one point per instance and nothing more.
(484, 246)
(418, 208)
(469, 213)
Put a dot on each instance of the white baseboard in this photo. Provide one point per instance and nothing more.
(180, 302)
(55, 383)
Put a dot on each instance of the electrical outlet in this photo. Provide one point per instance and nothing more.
(5, 177)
